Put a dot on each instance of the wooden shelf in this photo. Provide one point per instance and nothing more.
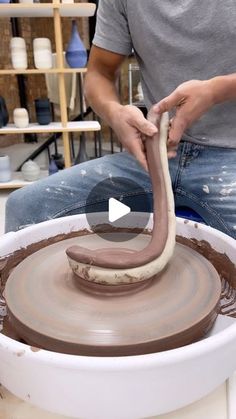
(42, 71)
(17, 180)
(53, 127)
(57, 11)
(46, 9)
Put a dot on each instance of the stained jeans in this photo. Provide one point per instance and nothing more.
(203, 179)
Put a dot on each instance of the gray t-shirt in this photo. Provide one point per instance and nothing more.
(176, 41)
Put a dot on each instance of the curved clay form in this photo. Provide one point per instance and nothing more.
(123, 266)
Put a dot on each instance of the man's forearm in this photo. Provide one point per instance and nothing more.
(101, 94)
(224, 88)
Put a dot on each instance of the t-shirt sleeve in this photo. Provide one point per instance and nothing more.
(112, 31)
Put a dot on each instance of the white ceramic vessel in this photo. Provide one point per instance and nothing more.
(131, 387)
(5, 168)
(42, 53)
(21, 117)
(18, 53)
(30, 171)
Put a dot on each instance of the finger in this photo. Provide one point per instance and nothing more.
(144, 126)
(171, 144)
(169, 102)
(172, 147)
(177, 129)
(140, 156)
(171, 154)
(137, 149)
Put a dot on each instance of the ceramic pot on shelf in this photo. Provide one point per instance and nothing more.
(5, 169)
(18, 53)
(76, 53)
(43, 111)
(4, 116)
(21, 117)
(52, 168)
(42, 53)
(30, 171)
(59, 160)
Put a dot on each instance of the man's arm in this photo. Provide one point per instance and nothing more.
(224, 88)
(192, 99)
(100, 90)
(100, 82)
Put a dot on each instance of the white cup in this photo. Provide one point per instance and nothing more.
(21, 117)
(5, 169)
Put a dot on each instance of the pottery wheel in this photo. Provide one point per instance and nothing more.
(49, 309)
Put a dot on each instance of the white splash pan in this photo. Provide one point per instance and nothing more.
(119, 387)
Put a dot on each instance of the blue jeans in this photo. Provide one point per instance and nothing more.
(203, 179)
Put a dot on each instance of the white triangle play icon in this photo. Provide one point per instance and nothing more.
(117, 210)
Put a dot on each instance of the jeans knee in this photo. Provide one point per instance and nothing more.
(16, 211)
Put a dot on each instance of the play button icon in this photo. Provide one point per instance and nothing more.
(113, 203)
(117, 210)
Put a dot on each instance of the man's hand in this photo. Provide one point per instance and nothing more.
(191, 100)
(130, 126)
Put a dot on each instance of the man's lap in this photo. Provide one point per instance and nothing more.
(203, 178)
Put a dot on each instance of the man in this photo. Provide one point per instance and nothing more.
(187, 65)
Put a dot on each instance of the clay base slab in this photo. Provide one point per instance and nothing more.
(49, 309)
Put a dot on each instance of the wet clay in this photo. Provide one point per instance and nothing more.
(224, 266)
(222, 263)
(49, 308)
(163, 209)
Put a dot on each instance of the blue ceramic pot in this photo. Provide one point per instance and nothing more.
(43, 111)
(76, 53)
(52, 167)
(4, 1)
(4, 116)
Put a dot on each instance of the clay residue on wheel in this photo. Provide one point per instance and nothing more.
(224, 266)
(222, 263)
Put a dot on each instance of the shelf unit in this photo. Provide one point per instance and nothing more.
(53, 127)
(17, 180)
(47, 9)
(57, 11)
(46, 71)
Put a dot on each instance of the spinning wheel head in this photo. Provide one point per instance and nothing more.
(51, 309)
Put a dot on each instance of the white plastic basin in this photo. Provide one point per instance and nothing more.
(119, 387)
